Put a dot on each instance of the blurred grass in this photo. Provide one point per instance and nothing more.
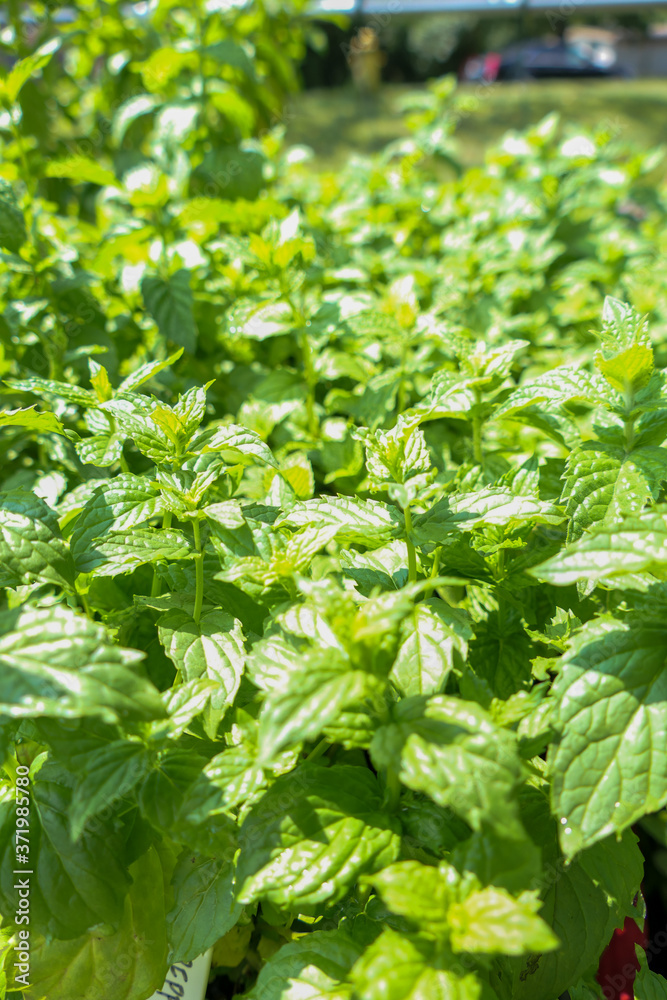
(337, 122)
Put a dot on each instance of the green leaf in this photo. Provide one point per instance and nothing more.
(12, 85)
(315, 966)
(602, 481)
(500, 653)
(310, 699)
(237, 445)
(57, 663)
(556, 387)
(578, 909)
(312, 834)
(397, 456)
(134, 419)
(101, 450)
(212, 648)
(635, 543)
(147, 371)
(162, 793)
(649, 985)
(622, 326)
(50, 387)
(201, 821)
(493, 506)
(261, 320)
(99, 379)
(75, 884)
(122, 551)
(129, 111)
(237, 774)
(630, 370)
(43, 422)
(512, 864)
(31, 546)
(451, 395)
(109, 773)
(610, 765)
(616, 867)
(433, 638)
(399, 967)
(359, 522)
(128, 501)
(204, 905)
(230, 53)
(492, 922)
(13, 233)
(90, 967)
(81, 170)
(451, 750)
(169, 301)
(420, 893)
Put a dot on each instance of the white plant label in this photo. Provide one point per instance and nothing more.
(186, 980)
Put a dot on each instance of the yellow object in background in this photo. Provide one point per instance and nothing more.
(366, 60)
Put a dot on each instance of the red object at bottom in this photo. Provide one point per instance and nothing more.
(619, 964)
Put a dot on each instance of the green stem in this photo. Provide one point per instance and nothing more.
(363, 895)
(163, 261)
(307, 361)
(412, 554)
(320, 749)
(85, 605)
(166, 524)
(400, 402)
(201, 34)
(477, 450)
(199, 573)
(23, 157)
(629, 434)
(393, 790)
(434, 570)
(629, 421)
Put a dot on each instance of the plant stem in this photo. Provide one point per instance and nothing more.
(434, 571)
(393, 791)
(166, 524)
(477, 451)
(629, 421)
(199, 573)
(306, 361)
(400, 402)
(363, 895)
(320, 749)
(85, 606)
(412, 554)
(629, 434)
(27, 177)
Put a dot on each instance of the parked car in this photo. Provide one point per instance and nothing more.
(544, 57)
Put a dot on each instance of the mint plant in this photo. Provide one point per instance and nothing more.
(382, 743)
(332, 535)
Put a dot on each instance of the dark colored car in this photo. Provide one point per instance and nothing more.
(540, 58)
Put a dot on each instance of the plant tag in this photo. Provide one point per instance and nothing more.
(186, 980)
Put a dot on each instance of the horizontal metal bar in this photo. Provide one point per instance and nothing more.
(399, 8)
